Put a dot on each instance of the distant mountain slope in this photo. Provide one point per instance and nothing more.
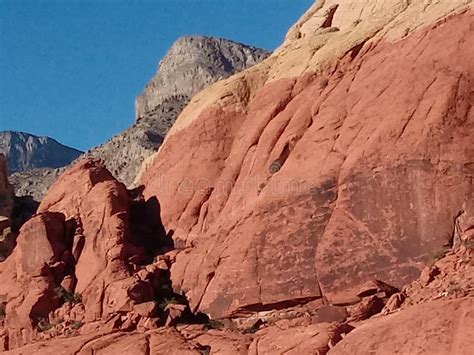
(191, 64)
(26, 151)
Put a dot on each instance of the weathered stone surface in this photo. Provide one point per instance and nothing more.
(313, 339)
(26, 278)
(191, 64)
(362, 159)
(439, 327)
(101, 204)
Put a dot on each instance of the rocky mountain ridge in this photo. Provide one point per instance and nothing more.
(192, 63)
(26, 151)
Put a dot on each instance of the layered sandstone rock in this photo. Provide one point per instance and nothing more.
(345, 156)
(84, 246)
(301, 196)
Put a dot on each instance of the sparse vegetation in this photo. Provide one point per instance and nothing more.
(214, 324)
(167, 301)
(436, 255)
(251, 330)
(43, 325)
(76, 325)
(67, 296)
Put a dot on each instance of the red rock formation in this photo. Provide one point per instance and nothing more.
(289, 190)
(80, 240)
(373, 154)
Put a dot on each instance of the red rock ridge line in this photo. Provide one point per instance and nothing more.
(380, 162)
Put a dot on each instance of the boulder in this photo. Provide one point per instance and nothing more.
(27, 281)
(429, 328)
(313, 339)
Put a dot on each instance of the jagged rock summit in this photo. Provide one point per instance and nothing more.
(319, 202)
(26, 151)
(191, 64)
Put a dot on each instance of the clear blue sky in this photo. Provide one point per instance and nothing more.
(70, 69)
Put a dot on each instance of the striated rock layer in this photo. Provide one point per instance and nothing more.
(346, 155)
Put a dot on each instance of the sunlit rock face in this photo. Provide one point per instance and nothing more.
(344, 156)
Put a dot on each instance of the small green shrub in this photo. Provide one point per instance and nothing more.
(67, 296)
(43, 325)
(251, 330)
(436, 255)
(76, 325)
(214, 324)
(167, 301)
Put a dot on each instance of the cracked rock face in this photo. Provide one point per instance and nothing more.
(379, 159)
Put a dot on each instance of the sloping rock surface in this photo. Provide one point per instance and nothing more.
(345, 156)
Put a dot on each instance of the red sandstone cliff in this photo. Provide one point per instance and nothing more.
(346, 155)
(296, 204)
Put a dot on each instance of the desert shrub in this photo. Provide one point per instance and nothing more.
(43, 325)
(167, 301)
(67, 296)
(436, 255)
(76, 325)
(214, 324)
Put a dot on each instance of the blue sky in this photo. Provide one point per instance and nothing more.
(71, 69)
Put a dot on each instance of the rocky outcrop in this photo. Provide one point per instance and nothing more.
(311, 204)
(191, 64)
(431, 316)
(6, 207)
(34, 182)
(83, 246)
(6, 201)
(317, 170)
(25, 151)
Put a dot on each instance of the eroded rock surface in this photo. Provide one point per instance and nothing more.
(321, 201)
(371, 126)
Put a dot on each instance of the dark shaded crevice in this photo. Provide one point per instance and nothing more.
(147, 232)
(278, 163)
(147, 345)
(276, 306)
(329, 16)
